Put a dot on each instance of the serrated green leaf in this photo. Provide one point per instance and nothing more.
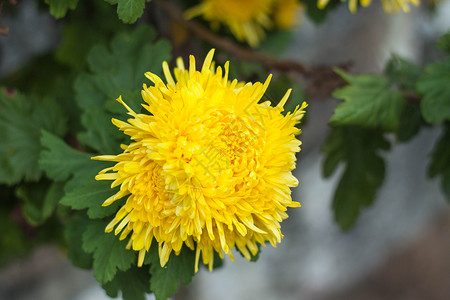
(91, 197)
(59, 8)
(444, 42)
(403, 72)
(134, 284)
(129, 10)
(364, 169)
(110, 254)
(21, 120)
(62, 162)
(164, 282)
(73, 232)
(59, 160)
(440, 161)
(368, 102)
(40, 200)
(118, 70)
(434, 85)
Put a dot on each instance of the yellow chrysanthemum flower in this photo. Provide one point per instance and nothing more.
(389, 6)
(287, 13)
(208, 167)
(245, 19)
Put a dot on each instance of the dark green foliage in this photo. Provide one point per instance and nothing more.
(364, 169)
(114, 72)
(40, 200)
(109, 252)
(164, 282)
(133, 283)
(59, 8)
(368, 102)
(73, 232)
(440, 161)
(410, 122)
(444, 42)
(434, 85)
(403, 73)
(21, 120)
(129, 10)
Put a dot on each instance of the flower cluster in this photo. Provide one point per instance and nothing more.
(389, 6)
(247, 20)
(208, 166)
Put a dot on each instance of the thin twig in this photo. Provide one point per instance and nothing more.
(229, 46)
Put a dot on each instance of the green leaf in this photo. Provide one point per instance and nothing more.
(440, 161)
(40, 200)
(73, 232)
(114, 72)
(435, 88)
(402, 72)
(59, 8)
(364, 169)
(134, 284)
(108, 251)
(164, 282)
(367, 102)
(129, 10)
(62, 162)
(444, 42)
(410, 122)
(59, 160)
(91, 197)
(21, 121)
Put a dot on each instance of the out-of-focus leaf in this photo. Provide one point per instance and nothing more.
(59, 8)
(368, 102)
(364, 170)
(134, 284)
(444, 42)
(403, 72)
(40, 200)
(73, 232)
(129, 10)
(21, 121)
(440, 161)
(434, 85)
(410, 122)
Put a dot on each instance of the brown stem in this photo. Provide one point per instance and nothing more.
(229, 46)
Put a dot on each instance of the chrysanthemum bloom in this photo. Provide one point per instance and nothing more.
(389, 6)
(208, 167)
(245, 19)
(286, 13)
